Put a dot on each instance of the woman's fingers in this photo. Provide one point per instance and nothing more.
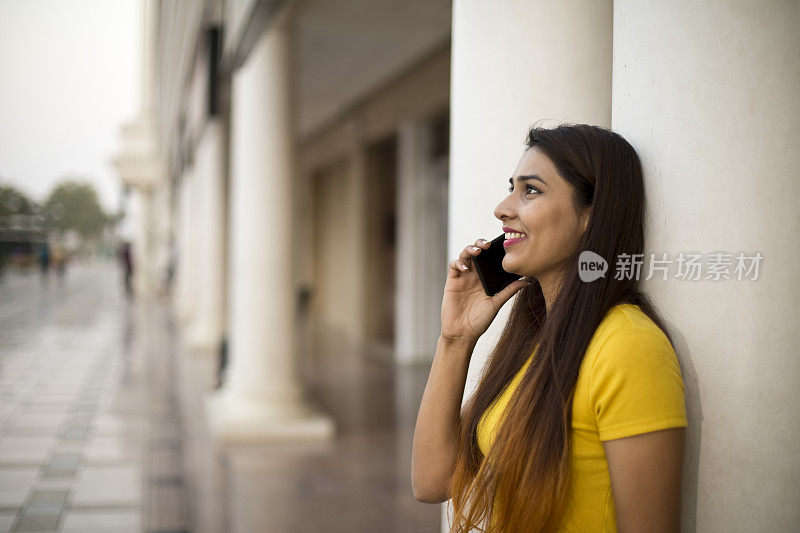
(464, 261)
(469, 251)
(456, 265)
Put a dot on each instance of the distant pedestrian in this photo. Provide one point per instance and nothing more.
(172, 264)
(44, 261)
(60, 258)
(127, 267)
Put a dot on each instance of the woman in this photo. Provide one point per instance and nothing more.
(578, 420)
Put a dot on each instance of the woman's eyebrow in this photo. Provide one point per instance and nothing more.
(526, 178)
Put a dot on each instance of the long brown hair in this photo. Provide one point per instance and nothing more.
(523, 482)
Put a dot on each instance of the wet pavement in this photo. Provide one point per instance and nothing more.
(87, 443)
(102, 425)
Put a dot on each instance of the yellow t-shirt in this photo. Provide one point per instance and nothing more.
(629, 383)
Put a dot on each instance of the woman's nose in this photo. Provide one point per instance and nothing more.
(502, 210)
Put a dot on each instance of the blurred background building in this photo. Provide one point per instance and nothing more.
(290, 165)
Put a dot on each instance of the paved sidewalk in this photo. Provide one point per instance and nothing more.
(102, 426)
(89, 428)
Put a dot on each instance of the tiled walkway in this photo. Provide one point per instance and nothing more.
(89, 440)
(102, 427)
(358, 483)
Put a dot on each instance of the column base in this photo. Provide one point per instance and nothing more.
(235, 419)
(201, 339)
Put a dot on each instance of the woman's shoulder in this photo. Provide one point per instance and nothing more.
(627, 334)
(627, 319)
(634, 381)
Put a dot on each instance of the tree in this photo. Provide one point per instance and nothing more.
(14, 202)
(74, 205)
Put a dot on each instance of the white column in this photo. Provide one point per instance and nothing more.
(262, 398)
(188, 243)
(411, 142)
(143, 245)
(182, 238)
(513, 64)
(205, 327)
(708, 95)
(161, 233)
(141, 167)
(421, 241)
(149, 47)
(357, 230)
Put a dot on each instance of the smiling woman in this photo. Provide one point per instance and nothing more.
(579, 412)
(603, 357)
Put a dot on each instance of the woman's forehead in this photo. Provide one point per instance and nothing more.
(534, 161)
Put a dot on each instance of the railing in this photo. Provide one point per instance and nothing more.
(23, 228)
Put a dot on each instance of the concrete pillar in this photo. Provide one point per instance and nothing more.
(421, 243)
(186, 259)
(143, 281)
(262, 398)
(358, 231)
(513, 64)
(161, 236)
(140, 167)
(708, 96)
(205, 327)
(181, 237)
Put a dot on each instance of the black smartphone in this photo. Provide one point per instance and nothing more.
(489, 266)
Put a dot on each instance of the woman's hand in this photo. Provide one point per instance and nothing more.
(467, 311)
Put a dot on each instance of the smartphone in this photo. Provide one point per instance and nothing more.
(489, 266)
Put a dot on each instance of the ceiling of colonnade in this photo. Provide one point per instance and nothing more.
(347, 48)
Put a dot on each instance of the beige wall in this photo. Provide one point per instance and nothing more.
(332, 214)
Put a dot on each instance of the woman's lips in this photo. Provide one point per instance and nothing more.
(511, 242)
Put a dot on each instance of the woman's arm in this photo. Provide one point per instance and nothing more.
(645, 475)
(467, 312)
(436, 432)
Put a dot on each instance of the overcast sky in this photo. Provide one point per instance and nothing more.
(70, 73)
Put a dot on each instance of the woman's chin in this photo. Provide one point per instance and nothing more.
(509, 266)
(514, 267)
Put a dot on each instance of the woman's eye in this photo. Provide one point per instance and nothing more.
(528, 188)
